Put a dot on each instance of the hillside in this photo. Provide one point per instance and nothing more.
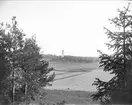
(73, 79)
(72, 74)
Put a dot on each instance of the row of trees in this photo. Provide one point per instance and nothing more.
(69, 58)
(23, 73)
(117, 90)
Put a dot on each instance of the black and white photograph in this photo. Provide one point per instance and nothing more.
(65, 52)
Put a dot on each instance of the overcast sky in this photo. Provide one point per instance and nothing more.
(73, 26)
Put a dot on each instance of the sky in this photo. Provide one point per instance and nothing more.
(73, 26)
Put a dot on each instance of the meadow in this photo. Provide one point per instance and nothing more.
(68, 96)
(73, 81)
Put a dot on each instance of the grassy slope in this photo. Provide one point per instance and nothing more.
(72, 65)
(71, 97)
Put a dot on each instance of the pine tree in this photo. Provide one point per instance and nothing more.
(3, 61)
(118, 89)
(8, 44)
(35, 70)
(26, 72)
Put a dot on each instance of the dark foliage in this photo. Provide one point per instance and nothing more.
(23, 71)
(118, 89)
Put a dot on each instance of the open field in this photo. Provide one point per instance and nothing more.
(76, 76)
(79, 80)
(58, 65)
(73, 82)
(70, 97)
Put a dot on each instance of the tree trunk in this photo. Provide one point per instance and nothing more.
(26, 103)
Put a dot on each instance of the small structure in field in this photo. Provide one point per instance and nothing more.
(62, 55)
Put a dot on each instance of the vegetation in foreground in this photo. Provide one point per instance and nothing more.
(22, 71)
(69, 97)
(118, 90)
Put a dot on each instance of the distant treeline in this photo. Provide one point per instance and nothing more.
(69, 58)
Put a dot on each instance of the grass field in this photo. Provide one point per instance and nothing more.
(73, 82)
(69, 58)
(58, 65)
(70, 97)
